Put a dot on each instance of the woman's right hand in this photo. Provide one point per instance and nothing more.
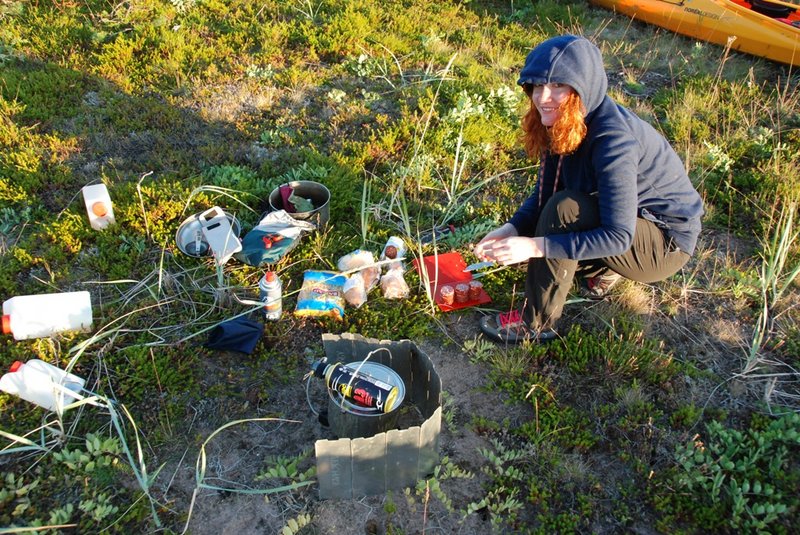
(483, 249)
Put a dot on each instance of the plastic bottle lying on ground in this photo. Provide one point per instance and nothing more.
(37, 316)
(98, 206)
(42, 384)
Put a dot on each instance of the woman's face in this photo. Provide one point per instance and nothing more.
(548, 99)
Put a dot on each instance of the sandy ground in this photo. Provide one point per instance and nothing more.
(241, 452)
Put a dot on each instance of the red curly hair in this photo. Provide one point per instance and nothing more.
(561, 138)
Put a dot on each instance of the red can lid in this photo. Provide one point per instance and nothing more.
(270, 276)
(16, 366)
(6, 324)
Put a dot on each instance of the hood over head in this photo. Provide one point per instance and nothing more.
(571, 60)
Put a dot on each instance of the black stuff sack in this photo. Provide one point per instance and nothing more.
(239, 334)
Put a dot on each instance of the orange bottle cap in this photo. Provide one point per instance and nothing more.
(16, 366)
(6, 324)
(270, 276)
(99, 209)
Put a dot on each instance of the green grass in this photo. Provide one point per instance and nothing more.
(179, 105)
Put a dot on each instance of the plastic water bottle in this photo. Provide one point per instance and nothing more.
(98, 206)
(271, 294)
(43, 384)
(37, 316)
(358, 387)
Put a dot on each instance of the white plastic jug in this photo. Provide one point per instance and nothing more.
(98, 206)
(43, 384)
(37, 316)
(217, 229)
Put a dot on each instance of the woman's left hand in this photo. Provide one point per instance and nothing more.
(516, 249)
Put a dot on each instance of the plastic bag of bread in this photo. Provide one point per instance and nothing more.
(359, 258)
(355, 292)
(393, 283)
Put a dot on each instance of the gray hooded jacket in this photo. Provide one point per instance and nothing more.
(623, 160)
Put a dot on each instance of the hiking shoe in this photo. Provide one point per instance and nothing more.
(599, 286)
(509, 328)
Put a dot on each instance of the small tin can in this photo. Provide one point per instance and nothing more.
(446, 292)
(475, 288)
(462, 293)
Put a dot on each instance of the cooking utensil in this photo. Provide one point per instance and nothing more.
(478, 266)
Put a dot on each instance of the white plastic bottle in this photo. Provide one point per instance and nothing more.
(43, 384)
(98, 206)
(37, 316)
(271, 294)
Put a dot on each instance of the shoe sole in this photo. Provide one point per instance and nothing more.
(494, 334)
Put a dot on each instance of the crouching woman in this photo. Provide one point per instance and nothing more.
(612, 197)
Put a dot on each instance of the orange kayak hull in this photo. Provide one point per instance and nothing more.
(721, 22)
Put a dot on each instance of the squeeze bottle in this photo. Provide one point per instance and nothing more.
(37, 316)
(270, 293)
(42, 384)
(98, 206)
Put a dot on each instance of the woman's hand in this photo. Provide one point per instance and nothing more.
(504, 246)
(514, 250)
(483, 248)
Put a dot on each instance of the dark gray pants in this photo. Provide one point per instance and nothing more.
(652, 257)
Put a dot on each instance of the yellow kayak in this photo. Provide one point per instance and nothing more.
(769, 29)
